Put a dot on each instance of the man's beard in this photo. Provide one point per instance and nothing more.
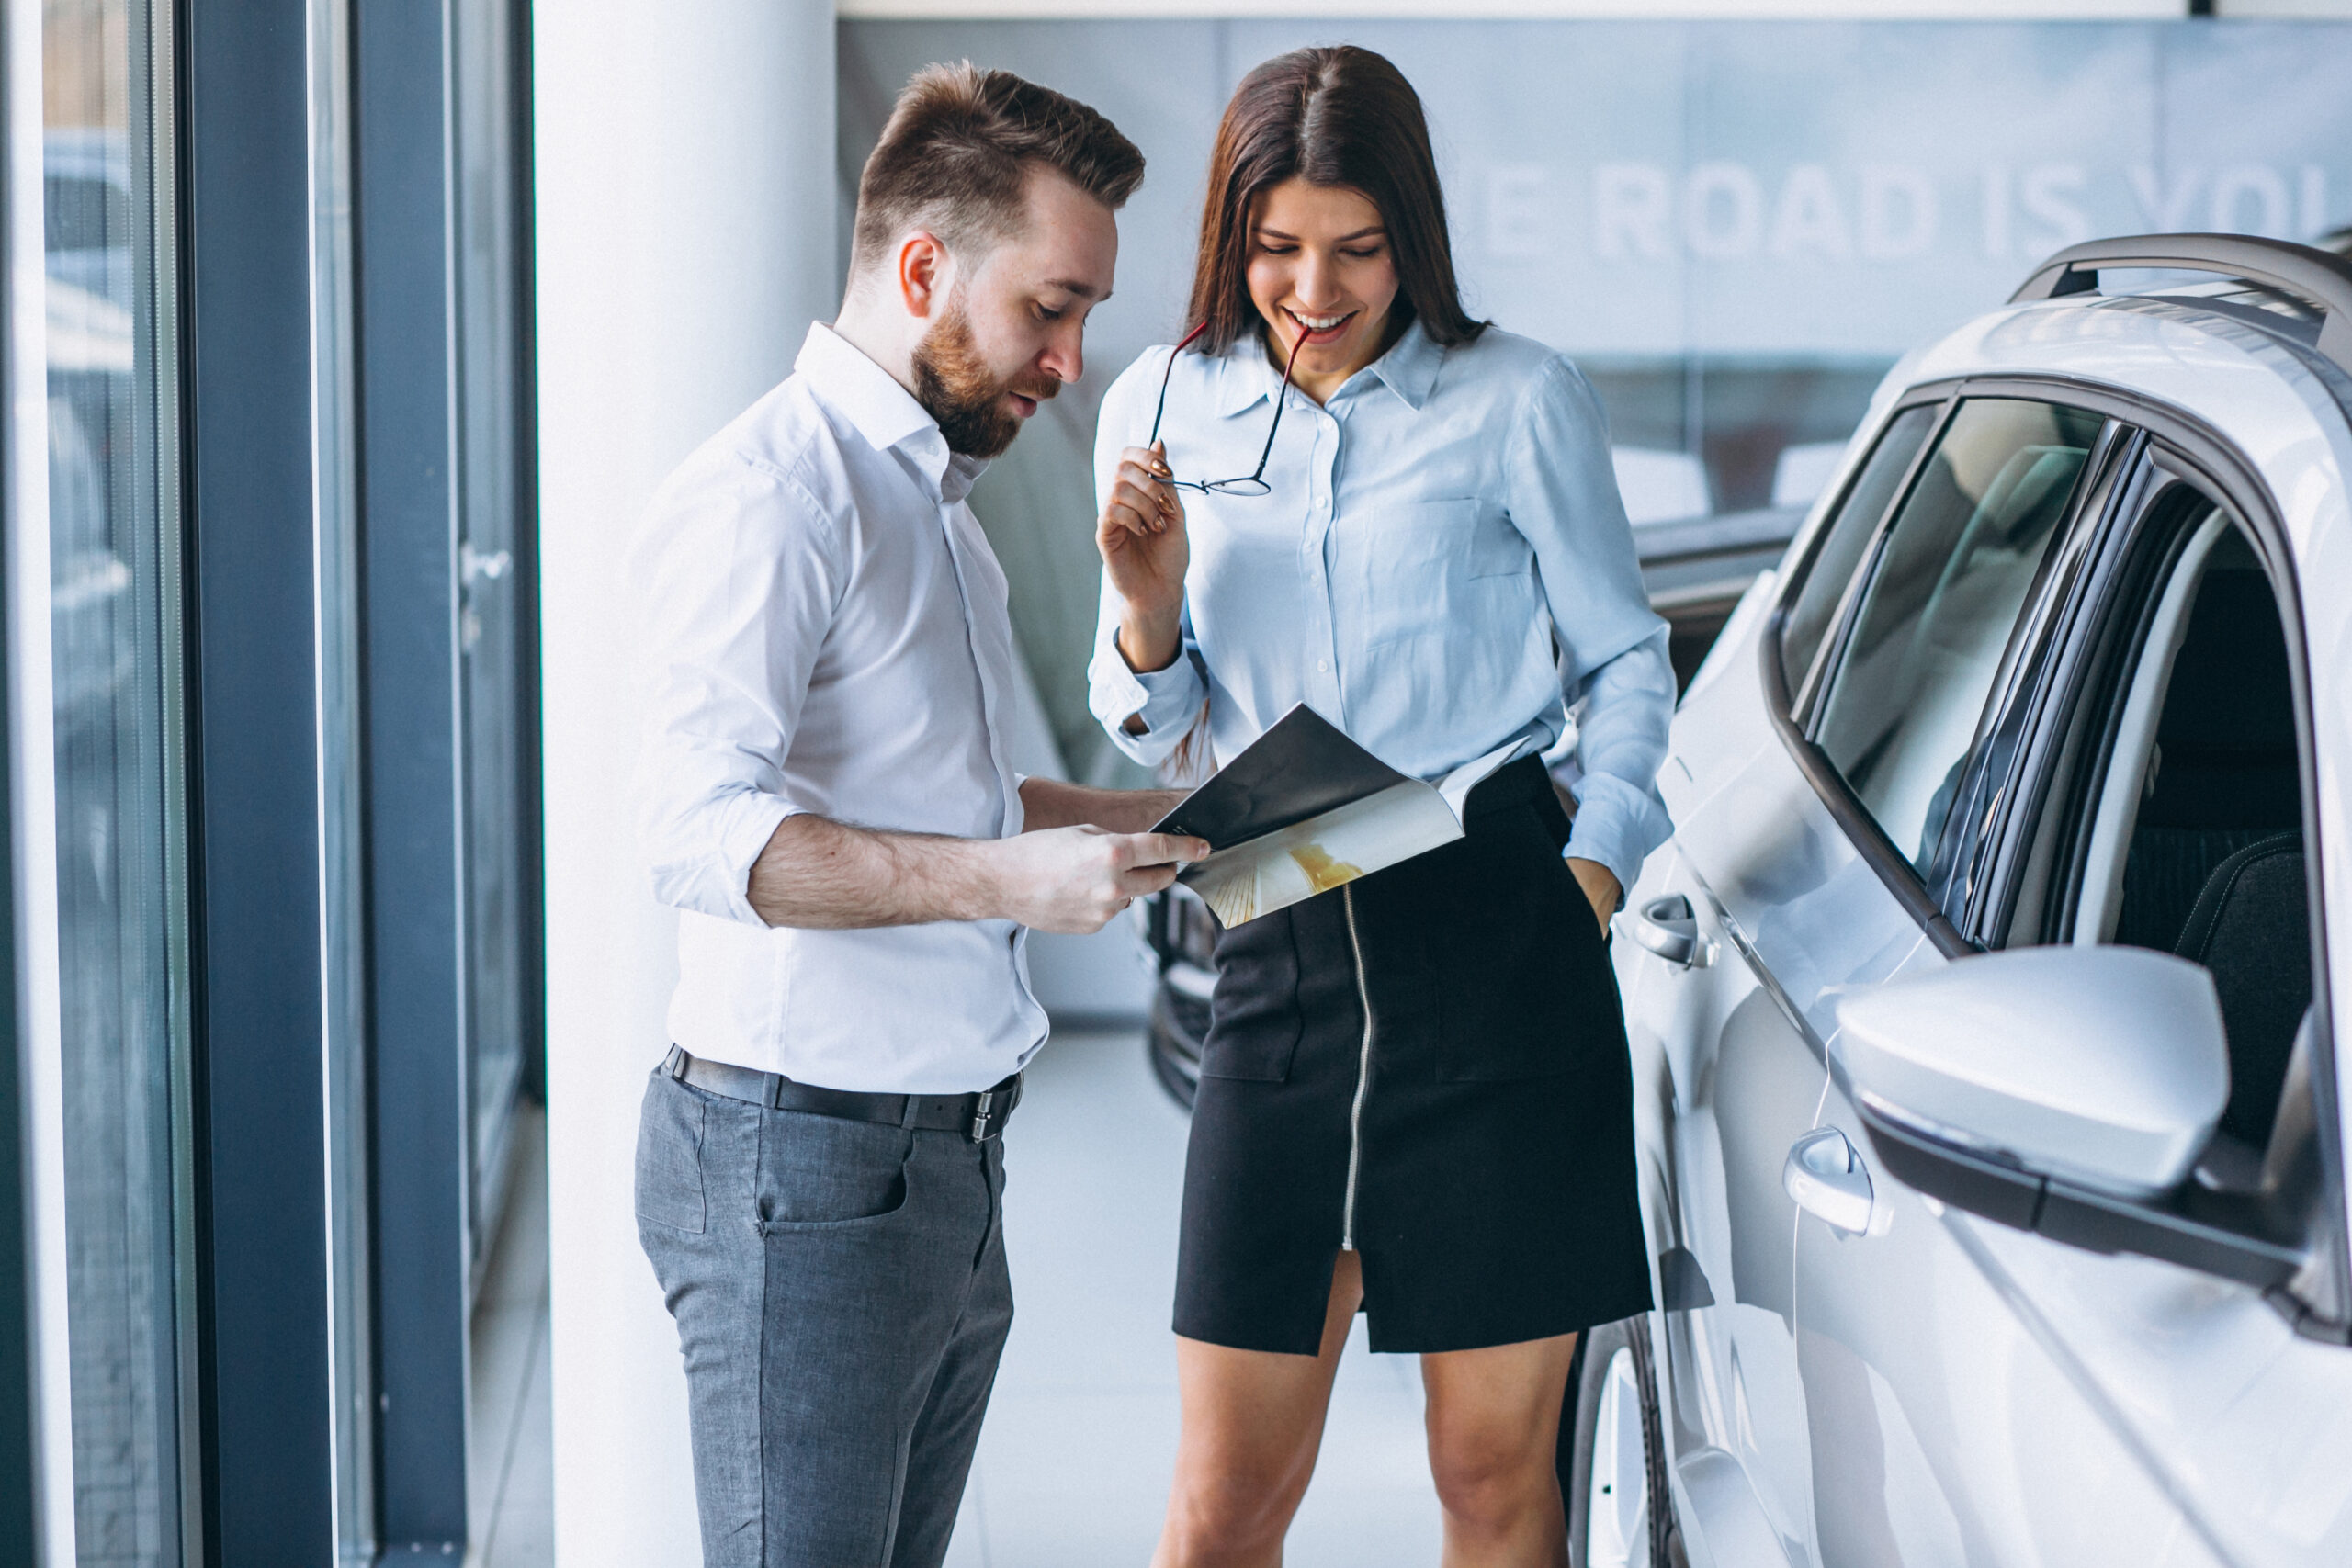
(956, 388)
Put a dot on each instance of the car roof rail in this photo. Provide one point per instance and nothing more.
(2323, 278)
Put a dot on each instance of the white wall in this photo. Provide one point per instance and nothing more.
(685, 194)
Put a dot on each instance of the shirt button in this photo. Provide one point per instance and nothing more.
(1323, 667)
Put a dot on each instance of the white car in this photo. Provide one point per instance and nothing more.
(1990, 1089)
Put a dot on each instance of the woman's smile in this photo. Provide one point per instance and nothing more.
(1323, 277)
(1319, 329)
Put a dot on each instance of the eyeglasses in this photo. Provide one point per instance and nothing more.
(1255, 484)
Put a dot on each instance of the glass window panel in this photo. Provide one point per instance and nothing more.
(488, 454)
(1841, 553)
(113, 569)
(1937, 613)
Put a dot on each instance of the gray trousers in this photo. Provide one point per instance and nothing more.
(841, 1296)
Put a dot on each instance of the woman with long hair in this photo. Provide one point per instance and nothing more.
(1415, 1100)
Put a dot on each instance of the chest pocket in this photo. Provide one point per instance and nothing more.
(1416, 563)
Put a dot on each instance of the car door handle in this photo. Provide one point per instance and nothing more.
(1825, 1177)
(1668, 928)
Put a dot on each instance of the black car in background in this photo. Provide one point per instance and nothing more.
(1695, 570)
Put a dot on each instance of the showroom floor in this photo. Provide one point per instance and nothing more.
(1074, 1462)
(511, 1459)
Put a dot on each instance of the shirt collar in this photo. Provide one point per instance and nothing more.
(1410, 365)
(1247, 375)
(885, 413)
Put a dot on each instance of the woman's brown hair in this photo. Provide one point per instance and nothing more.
(1335, 116)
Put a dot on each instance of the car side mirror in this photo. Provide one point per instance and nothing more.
(2106, 1066)
(2064, 1090)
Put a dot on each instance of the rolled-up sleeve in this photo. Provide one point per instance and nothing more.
(736, 578)
(1165, 700)
(1615, 676)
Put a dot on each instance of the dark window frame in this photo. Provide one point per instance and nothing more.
(421, 1190)
(264, 1374)
(417, 1186)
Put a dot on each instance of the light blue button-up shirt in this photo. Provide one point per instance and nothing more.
(1443, 565)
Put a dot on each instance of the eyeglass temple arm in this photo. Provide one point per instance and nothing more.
(1166, 373)
(1281, 396)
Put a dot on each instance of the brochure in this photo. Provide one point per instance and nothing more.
(1305, 809)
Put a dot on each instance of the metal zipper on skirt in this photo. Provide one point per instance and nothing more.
(1363, 1079)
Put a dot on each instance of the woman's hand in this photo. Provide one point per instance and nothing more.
(1600, 885)
(1141, 535)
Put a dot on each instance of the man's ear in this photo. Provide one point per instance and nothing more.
(923, 273)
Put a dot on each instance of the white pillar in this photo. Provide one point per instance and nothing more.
(686, 194)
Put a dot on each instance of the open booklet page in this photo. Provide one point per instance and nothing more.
(1310, 812)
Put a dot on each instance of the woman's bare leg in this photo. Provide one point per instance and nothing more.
(1494, 1426)
(1252, 1421)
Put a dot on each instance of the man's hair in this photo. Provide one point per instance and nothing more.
(955, 155)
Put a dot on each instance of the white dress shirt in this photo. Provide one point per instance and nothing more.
(1443, 566)
(824, 630)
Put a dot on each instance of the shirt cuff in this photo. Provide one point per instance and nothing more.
(1617, 826)
(1165, 698)
(752, 820)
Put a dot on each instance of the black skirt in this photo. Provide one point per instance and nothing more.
(1430, 1065)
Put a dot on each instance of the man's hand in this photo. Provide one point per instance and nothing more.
(1145, 553)
(1077, 879)
(1600, 885)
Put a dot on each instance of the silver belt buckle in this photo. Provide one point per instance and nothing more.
(985, 1121)
(989, 1107)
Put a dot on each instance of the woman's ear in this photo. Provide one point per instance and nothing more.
(922, 272)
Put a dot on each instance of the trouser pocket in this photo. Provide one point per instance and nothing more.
(669, 1156)
(828, 1170)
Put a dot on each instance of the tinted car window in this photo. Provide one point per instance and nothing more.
(1849, 534)
(1935, 615)
(2217, 870)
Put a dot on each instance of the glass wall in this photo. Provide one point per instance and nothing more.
(151, 1320)
(114, 575)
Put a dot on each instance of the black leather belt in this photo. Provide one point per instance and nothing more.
(981, 1116)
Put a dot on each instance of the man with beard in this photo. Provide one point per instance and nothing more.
(825, 794)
